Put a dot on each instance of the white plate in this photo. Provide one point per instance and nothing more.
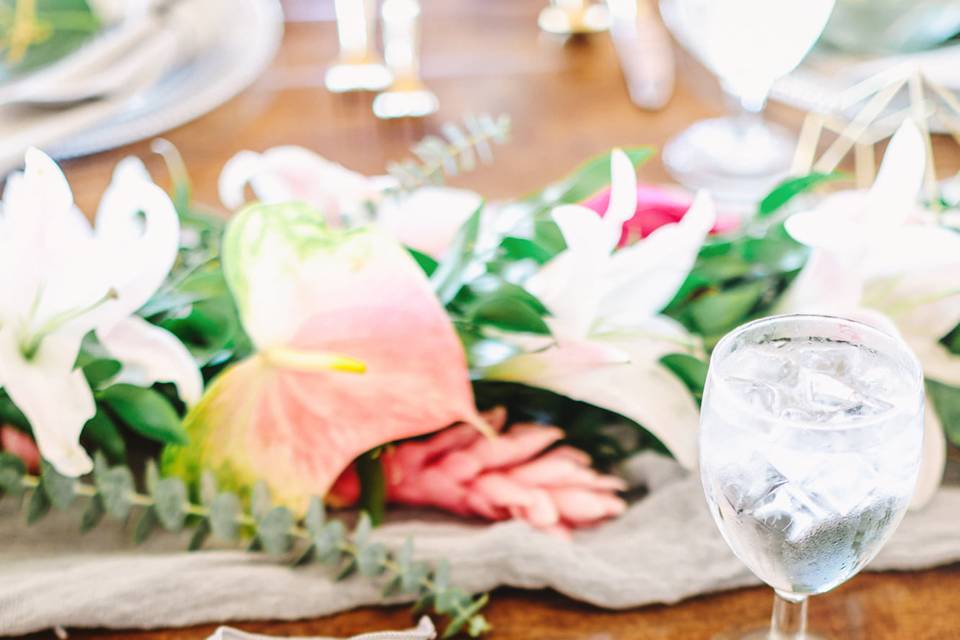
(241, 51)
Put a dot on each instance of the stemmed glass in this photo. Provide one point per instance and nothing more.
(810, 439)
(748, 44)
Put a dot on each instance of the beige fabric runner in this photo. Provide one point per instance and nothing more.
(663, 549)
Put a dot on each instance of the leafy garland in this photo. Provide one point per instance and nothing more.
(265, 527)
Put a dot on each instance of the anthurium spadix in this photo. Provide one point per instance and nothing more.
(607, 332)
(880, 257)
(60, 279)
(353, 351)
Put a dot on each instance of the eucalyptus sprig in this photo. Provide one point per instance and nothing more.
(266, 527)
(458, 150)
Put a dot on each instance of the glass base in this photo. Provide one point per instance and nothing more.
(738, 159)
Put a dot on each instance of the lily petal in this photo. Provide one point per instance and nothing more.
(893, 196)
(151, 354)
(933, 459)
(827, 284)
(938, 362)
(427, 219)
(53, 396)
(138, 228)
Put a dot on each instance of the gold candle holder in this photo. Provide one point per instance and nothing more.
(359, 67)
(571, 17)
(407, 96)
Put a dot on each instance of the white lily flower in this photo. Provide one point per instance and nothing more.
(426, 219)
(878, 257)
(60, 279)
(605, 303)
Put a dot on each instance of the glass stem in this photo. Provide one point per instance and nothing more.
(789, 620)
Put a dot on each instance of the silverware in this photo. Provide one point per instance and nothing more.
(645, 52)
(407, 97)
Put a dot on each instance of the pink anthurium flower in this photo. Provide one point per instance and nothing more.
(878, 256)
(513, 476)
(353, 350)
(60, 278)
(608, 334)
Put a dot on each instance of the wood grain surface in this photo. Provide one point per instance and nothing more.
(567, 101)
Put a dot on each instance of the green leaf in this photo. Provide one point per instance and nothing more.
(274, 530)
(478, 626)
(104, 435)
(946, 402)
(441, 576)
(466, 615)
(391, 588)
(93, 514)
(100, 371)
(151, 476)
(361, 533)
(516, 249)
(329, 541)
(260, 502)
(224, 511)
(10, 414)
(58, 488)
(692, 371)
(255, 545)
(12, 471)
(315, 517)
(586, 180)
(145, 526)
(346, 570)
(449, 600)
(200, 535)
(427, 263)
(170, 498)
(507, 313)
(38, 507)
(146, 412)
(716, 313)
(115, 487)
(791, 188)
(448, 277)
(373, 487)
(371, 558)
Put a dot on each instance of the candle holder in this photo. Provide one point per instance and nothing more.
(571, 17)
(359, 67)
(407, 96)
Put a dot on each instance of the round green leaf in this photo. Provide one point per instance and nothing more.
(223, 516)
(146, 412)
(274, 530)
(170, 496)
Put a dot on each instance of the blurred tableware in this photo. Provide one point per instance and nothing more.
(198, 81)
(359, 67)
(890, 26)
(569, 17)
(645, 52)
(748, 44)
(407, 96)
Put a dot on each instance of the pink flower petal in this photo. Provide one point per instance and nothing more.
(581, 506)
(542, 513)
(515, 446)
(16, 442)
(551, 470)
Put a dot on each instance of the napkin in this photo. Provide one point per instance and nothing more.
(423, 631)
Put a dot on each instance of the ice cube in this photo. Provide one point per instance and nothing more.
(789, 510)
(756, 392)
(843, 482)
(745, 486)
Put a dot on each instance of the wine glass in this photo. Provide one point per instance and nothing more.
(748, 44)
(810, 439)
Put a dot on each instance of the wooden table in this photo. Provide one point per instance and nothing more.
(567, 102)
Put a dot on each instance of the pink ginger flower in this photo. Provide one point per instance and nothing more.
(16, 442)
(510, 476)
(656, 206)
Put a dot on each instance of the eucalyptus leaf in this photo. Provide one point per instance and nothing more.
(224, 511)
(371, 558)
(146, 412)
(361, 533)
(12, 471)
(115, 487)
(465, 615)
(274, 530)
(449, 600)
(38, 506)
(347, 570)
(306, 556)
(208, 487)
(151, 475)
(441, 576)
(170, 499)
(92, 515)
(413, 577)
(329, 541)
(145, 526)
(200, 535)
(59, 488)
(315, 517)
(260, 502)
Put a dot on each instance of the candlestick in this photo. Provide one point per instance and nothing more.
(569, 17)
(359, 67)
(407, 95)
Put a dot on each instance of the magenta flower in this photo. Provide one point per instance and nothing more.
(656, 206)
(515, 475)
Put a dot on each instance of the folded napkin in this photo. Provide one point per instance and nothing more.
(423, 631)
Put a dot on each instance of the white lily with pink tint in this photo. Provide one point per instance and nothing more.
(425, 219)
(880, 257)
(608, 335)
(60, 279)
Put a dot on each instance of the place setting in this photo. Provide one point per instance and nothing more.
(254, 390)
